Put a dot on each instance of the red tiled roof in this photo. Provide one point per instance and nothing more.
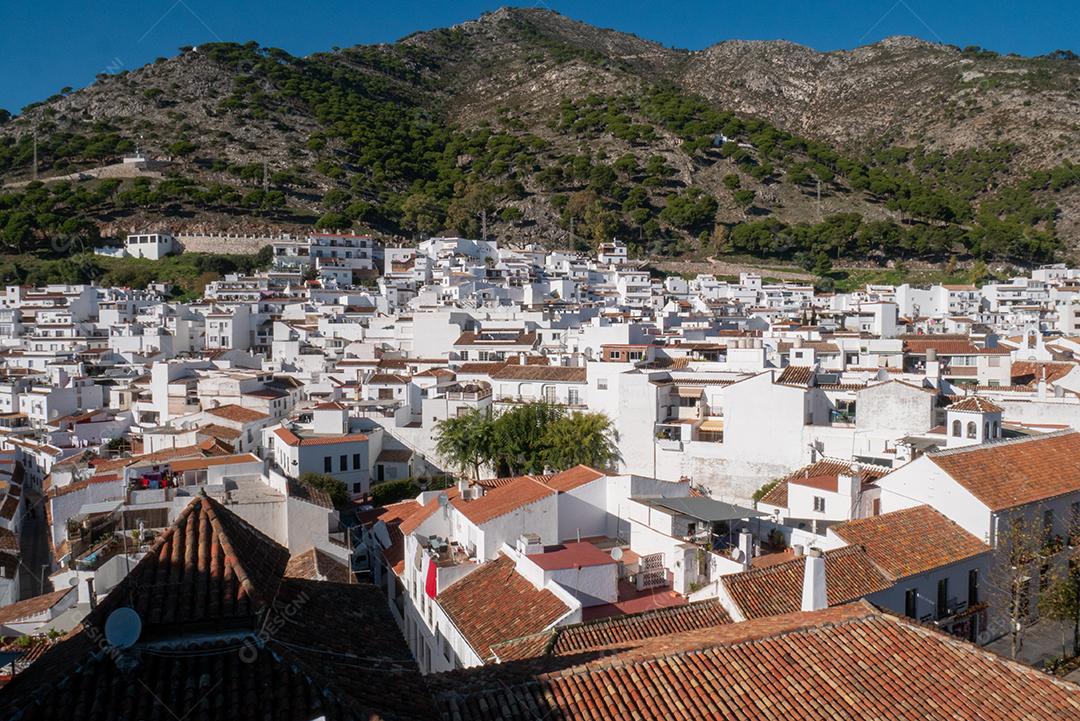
(316, 565)
(615, 631)
(573, 478)
(32, 606)
(912, 541)
(796, 376)
(209, 566)
(976, 404)
(494, 604)
(777, 589)
(291, 439)
(233, 412)
(555, 374)
(1030, 372)
(1018, 472)
(852, 663)
(501, 500)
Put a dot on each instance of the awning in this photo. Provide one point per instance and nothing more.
(689, 392)
(712, 426)
(701, 508)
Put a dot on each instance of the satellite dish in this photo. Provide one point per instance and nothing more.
(73, 581)
(123, 627)
(616, 554)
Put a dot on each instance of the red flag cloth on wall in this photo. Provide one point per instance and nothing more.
(431, 584)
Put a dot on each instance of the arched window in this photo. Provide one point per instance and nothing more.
(973, 429)
(986, 430)
(956, 428)
(997, 431)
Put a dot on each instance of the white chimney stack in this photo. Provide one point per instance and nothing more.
(814, 597)
(746, 547)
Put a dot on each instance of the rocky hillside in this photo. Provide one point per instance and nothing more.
(551, 130)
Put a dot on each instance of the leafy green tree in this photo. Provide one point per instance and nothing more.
(1060, 601)
(334, 487)
(580, 439)
(467, 442)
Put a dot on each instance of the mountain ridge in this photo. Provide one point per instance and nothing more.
(516, 114)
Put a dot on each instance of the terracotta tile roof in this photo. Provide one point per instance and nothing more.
(32, 606)
(494, 604)
(914, 540)
(298, 673)
(824, 474)
(573, 478)
(394, 455)
(563, 374)
(501, 500)
(619, 630)
(192, 464)
(796, 376)
(494, 482)
(777, 589)
(480, 368)
(208, 566)
(1017, 472)
(949, 346)
(316, 565)
(1030, 372)
(222, 432)
(777, 495)
(976, 404)
(233, 412)
(291, 439)
(309, 493)
(388, 379)
(851, 663)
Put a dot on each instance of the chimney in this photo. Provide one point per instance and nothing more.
(746, 548)
(797, 550)
(1042, 384)
(529, 543)
(933, 365)
(90, 590)
(814, 597)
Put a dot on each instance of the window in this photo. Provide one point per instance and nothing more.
(819, 504)
(911, 597)
(956, 428)
(996, 430)
(343, 463)
(356, 461)
(973, 586)
(573, 397)
(601, 384)
(943, 598)
(972, 429)
(327, 464)
(1048, 524)
(358, 488)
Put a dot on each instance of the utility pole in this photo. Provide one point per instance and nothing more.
(266, 177)
(819, 198)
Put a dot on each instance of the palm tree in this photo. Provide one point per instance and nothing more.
(466, 442)
(581, 439)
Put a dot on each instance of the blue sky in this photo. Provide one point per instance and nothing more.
(47, 45)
